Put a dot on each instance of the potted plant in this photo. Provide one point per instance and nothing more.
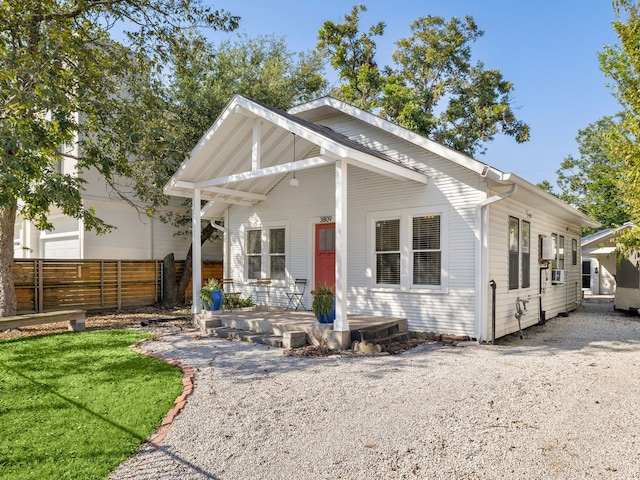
(211, 295)
(324, 303)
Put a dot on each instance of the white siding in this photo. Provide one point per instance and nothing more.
(299, 208)
(556, 299)
(138, 237)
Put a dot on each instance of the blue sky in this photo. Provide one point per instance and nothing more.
(547, 49)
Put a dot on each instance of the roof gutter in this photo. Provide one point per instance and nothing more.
(482, 252)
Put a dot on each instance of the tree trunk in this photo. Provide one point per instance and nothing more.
(169, 283)
(8, 303)
(207, 233)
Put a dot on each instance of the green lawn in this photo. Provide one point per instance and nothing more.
(75, 405)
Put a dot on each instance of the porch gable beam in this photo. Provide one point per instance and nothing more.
(256, 197)
(265, 172)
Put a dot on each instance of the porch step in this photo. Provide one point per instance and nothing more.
(246, 336)
(379, 333)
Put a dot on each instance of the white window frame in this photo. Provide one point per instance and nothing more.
(406, 249)
(265, 255)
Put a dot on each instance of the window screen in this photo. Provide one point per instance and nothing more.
(277, 253)
(427, 256)
(254, 253)
(525, 241)
(388, 252)
(514, 239)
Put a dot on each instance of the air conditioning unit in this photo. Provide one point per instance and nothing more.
(558, 277)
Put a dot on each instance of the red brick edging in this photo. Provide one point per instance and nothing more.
(188, 376)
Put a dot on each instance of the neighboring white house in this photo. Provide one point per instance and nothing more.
(136, 237)
(599, 260)
(403, 226)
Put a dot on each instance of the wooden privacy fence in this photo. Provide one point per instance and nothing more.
(47, 285)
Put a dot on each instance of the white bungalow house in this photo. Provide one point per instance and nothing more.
(401, 225)
(599, 261)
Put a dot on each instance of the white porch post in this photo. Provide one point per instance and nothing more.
(341, 322)
(196, 251)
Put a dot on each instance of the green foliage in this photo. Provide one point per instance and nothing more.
(432, 88)
(621, 63)
(64, 79)
(230, 301)
(92, 406)
(590, 182)
(322, 299)
(205, 292)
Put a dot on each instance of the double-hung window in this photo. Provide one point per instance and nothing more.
(277, 258)
(427, 253)
(388, 252)
(266, 253)
(254, 254)
(519, 253)
(514, 253)
(408, 250)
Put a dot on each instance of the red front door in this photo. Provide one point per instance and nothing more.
(325, 254)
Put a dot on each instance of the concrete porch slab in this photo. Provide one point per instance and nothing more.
(277, 321)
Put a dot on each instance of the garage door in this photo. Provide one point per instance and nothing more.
(62, 248)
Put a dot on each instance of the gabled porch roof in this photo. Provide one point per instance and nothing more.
(251, 147)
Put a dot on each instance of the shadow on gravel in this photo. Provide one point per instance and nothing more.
(592, 326)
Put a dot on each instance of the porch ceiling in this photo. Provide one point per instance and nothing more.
(251, 147)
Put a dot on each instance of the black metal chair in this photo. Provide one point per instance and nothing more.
(297, 295)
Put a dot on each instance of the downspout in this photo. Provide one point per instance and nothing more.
(482, 246)
(225, 240)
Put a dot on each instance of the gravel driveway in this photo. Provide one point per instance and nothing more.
(564, 403)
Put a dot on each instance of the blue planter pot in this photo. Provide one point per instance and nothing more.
(322, 318)
(216, 298)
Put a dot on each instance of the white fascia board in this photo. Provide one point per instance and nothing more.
(253, 109)
(511, 178)
(598, 251)
(265, 172)
(401, 132)
(228, 110)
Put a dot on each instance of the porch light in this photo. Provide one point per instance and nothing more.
(293, 181)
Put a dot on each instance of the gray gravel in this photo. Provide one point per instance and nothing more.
(564, 403)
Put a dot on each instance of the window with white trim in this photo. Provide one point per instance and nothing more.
(427, 253)
(561, 252)
(266, 253)
(277, 259)
(519, 253)
(514, 253)
(408, 250)
(254, 254)
(574, 251)
(388, 252)
(525, 252)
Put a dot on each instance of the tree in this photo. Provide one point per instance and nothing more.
(64, 77)
(431, 88)
(590, 182)
(621, 63)
(207, 76)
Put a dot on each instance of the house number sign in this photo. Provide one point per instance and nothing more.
(326, 219)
